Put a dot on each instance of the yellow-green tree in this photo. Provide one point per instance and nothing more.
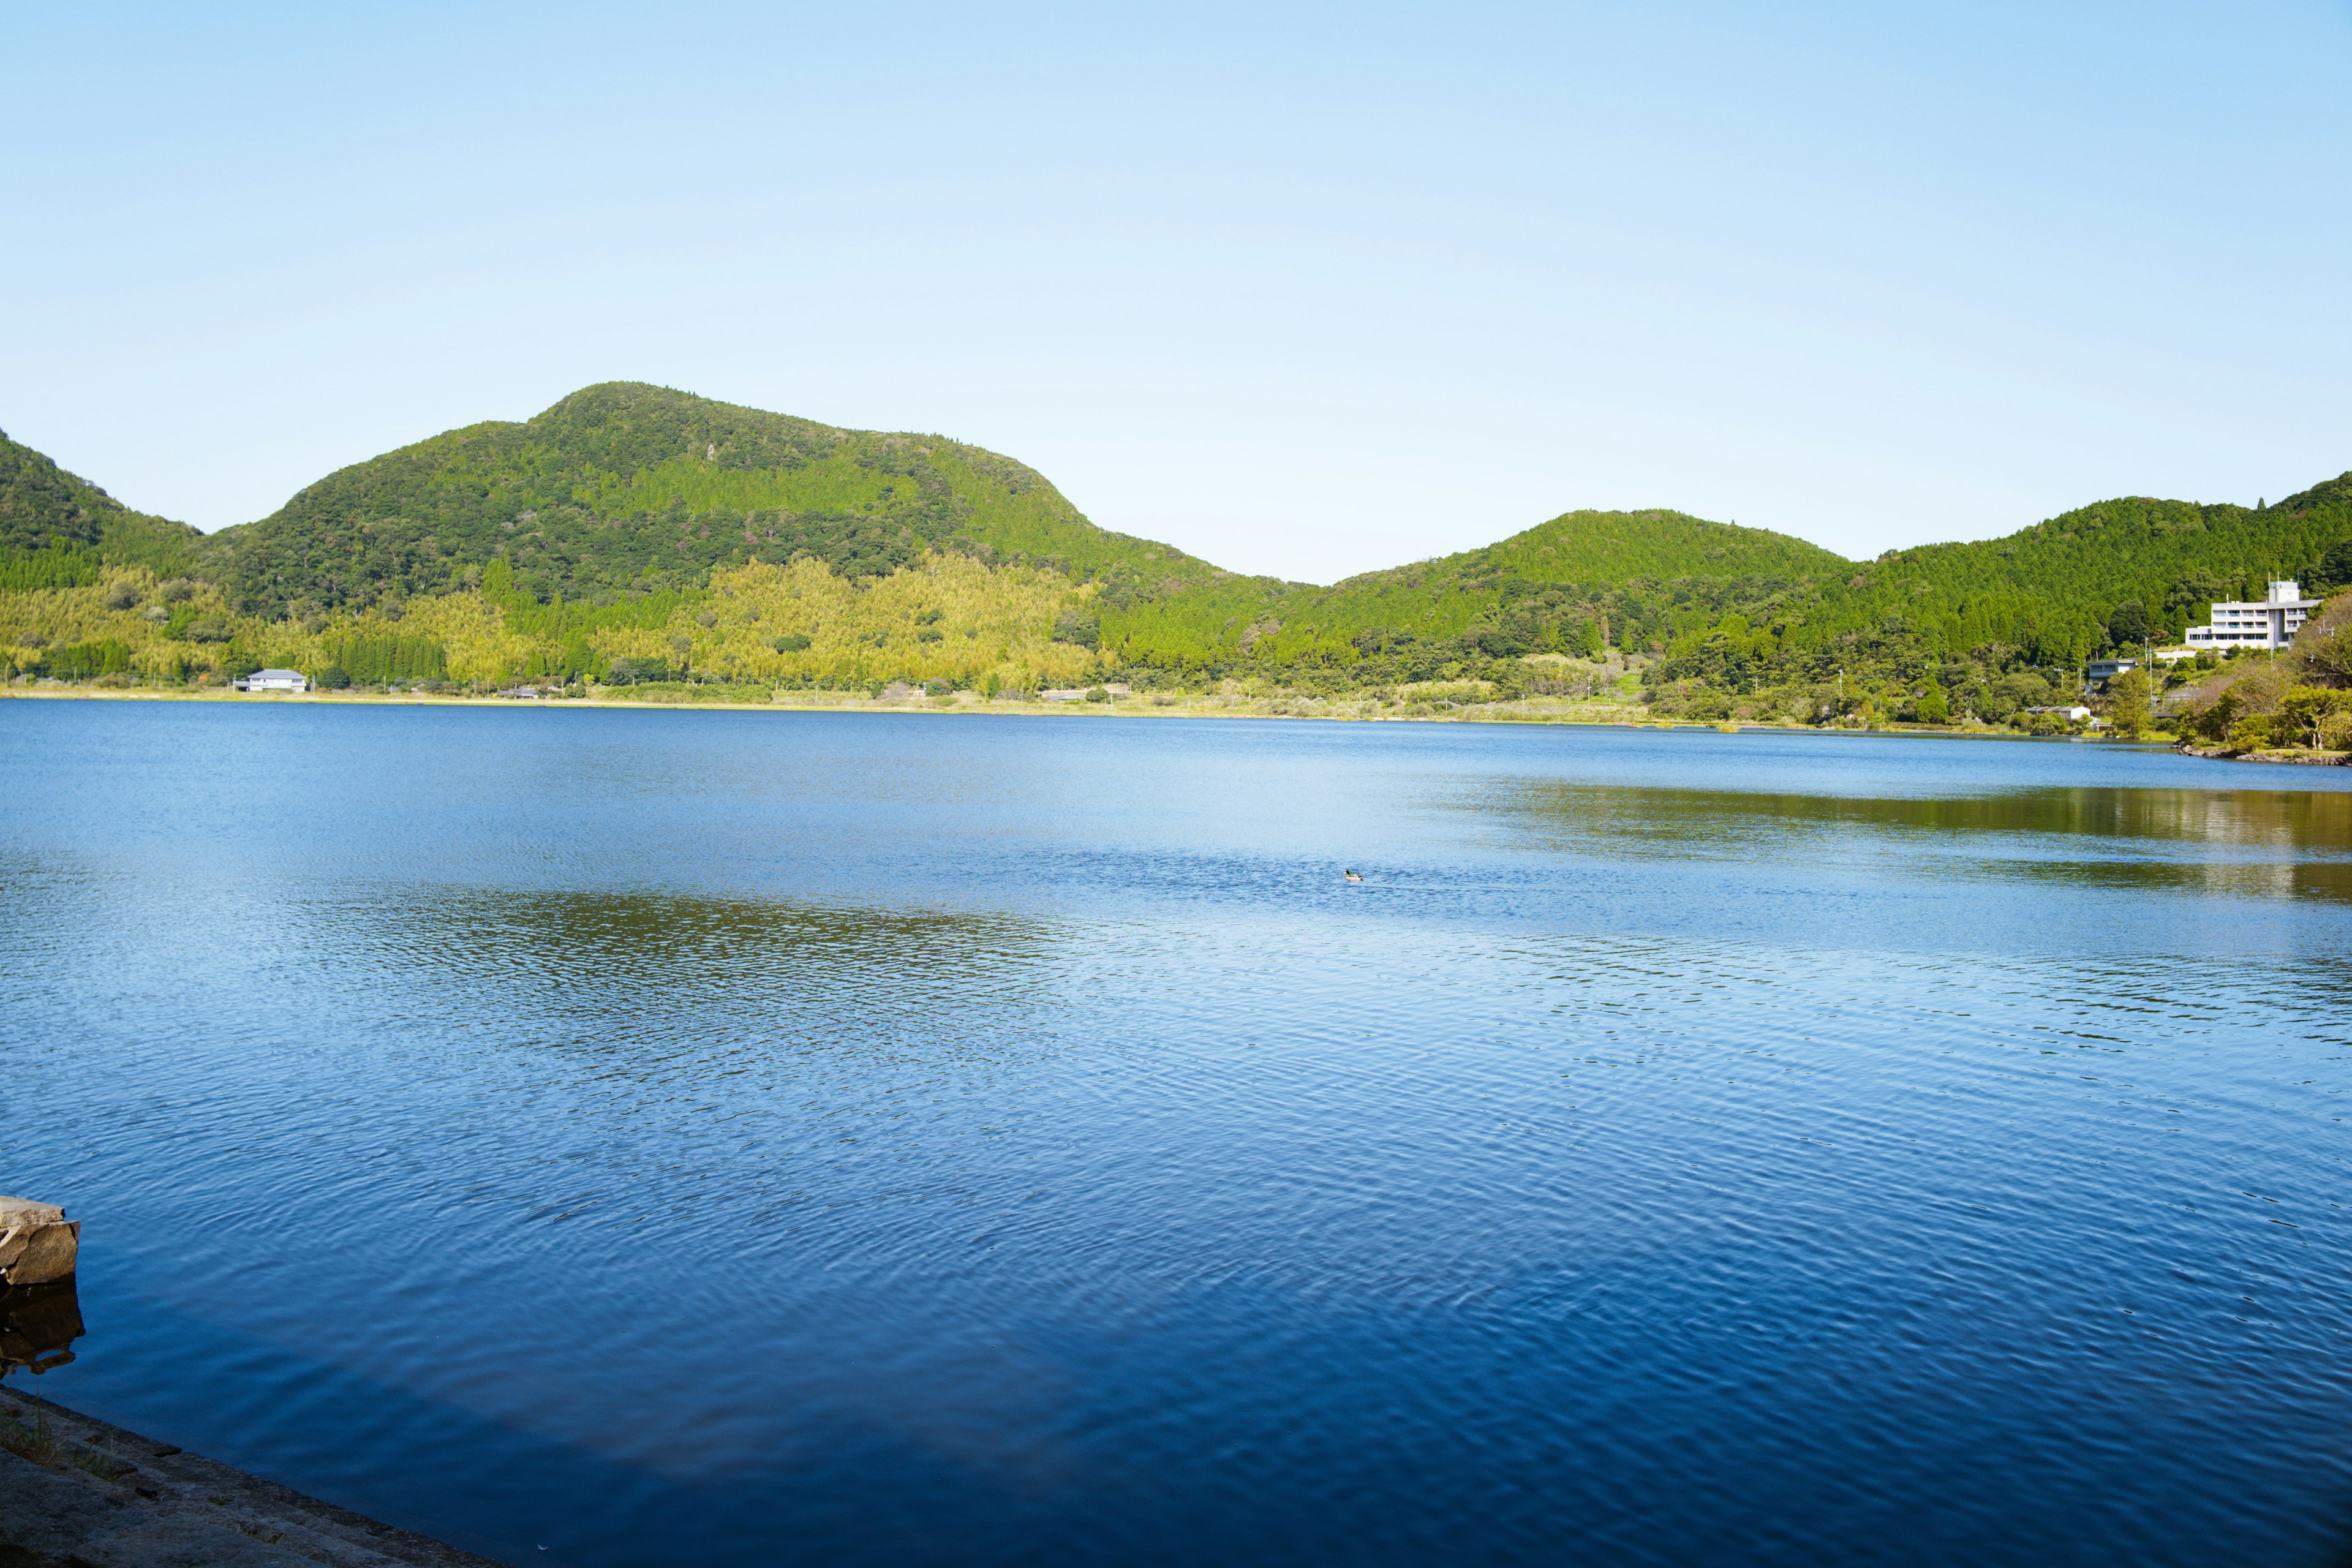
(2128, 704)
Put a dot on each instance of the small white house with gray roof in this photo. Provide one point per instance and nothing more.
(275, 680)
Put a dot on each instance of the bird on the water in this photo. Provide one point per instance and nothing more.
(1353, 876)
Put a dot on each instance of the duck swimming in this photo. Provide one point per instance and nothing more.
(1353, 876)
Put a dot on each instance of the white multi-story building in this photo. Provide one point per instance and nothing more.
(2269, 622)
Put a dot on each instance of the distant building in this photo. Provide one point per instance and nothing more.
(1078, 693)
(2075, 714)
(275, 680)
(2267, 623)
(2102, 670)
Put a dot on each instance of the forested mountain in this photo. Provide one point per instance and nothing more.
(58, 528)
(1581, 582)
(2117, 573)
(624, 489)
(637, 530)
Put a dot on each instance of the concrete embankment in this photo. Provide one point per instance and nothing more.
(78, 1492)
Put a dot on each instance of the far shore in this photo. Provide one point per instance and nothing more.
(1585, 714)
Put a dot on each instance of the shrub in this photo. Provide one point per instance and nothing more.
(1707, 707)
(683, 691)
(2304, 710)
(791, 642)
(122, 596)
(2249, 734)
(334, 677)
(2327, 654)
(635, 671)
(1098, 694)
(2213, 722)
(2127, 703)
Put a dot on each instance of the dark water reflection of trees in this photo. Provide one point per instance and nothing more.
(2283, 842)
(683, 979)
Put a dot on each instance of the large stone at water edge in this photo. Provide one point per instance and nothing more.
(37, 1243)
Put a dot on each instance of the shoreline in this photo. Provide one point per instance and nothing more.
(90, 1492)
(1596, 716)
(1606, 717)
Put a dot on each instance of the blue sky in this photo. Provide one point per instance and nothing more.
(1304, 291)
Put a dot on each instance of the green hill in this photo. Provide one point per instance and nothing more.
(632, 526)
(1554, 587)
(56, 528)
(2117, 573)
(623, 488)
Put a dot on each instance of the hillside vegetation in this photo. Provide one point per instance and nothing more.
(624, 490)
(635, 534)
(57, 529)
(2116, 576)
(1580, 583)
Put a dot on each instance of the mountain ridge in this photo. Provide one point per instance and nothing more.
(613, 514)
(625, 488)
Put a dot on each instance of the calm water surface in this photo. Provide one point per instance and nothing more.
(724, 1138)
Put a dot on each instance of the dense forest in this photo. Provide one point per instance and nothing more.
(635, 533)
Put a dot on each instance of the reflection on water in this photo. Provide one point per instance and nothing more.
(2318, 823)
(670, 943)
(39, 1324)
(2269, 843)
(733, 1138)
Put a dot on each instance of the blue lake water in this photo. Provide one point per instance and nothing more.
(744, 1138)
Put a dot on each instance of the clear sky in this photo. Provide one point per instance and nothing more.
(1304, 291)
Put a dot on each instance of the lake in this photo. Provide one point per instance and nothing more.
(742, 1138)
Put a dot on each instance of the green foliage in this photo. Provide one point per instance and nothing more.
(2326, 651)
(2305, 711)
(2127, 703)
(60, 563)
(636, 672)
(683, 691)
(80, 661)
(2335, 565)
(2214, 721)
(41, 504)
(43, 507)
(375, 660)
(2252, 733)
(622, 489)
(621, 534)
(1577, 583)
